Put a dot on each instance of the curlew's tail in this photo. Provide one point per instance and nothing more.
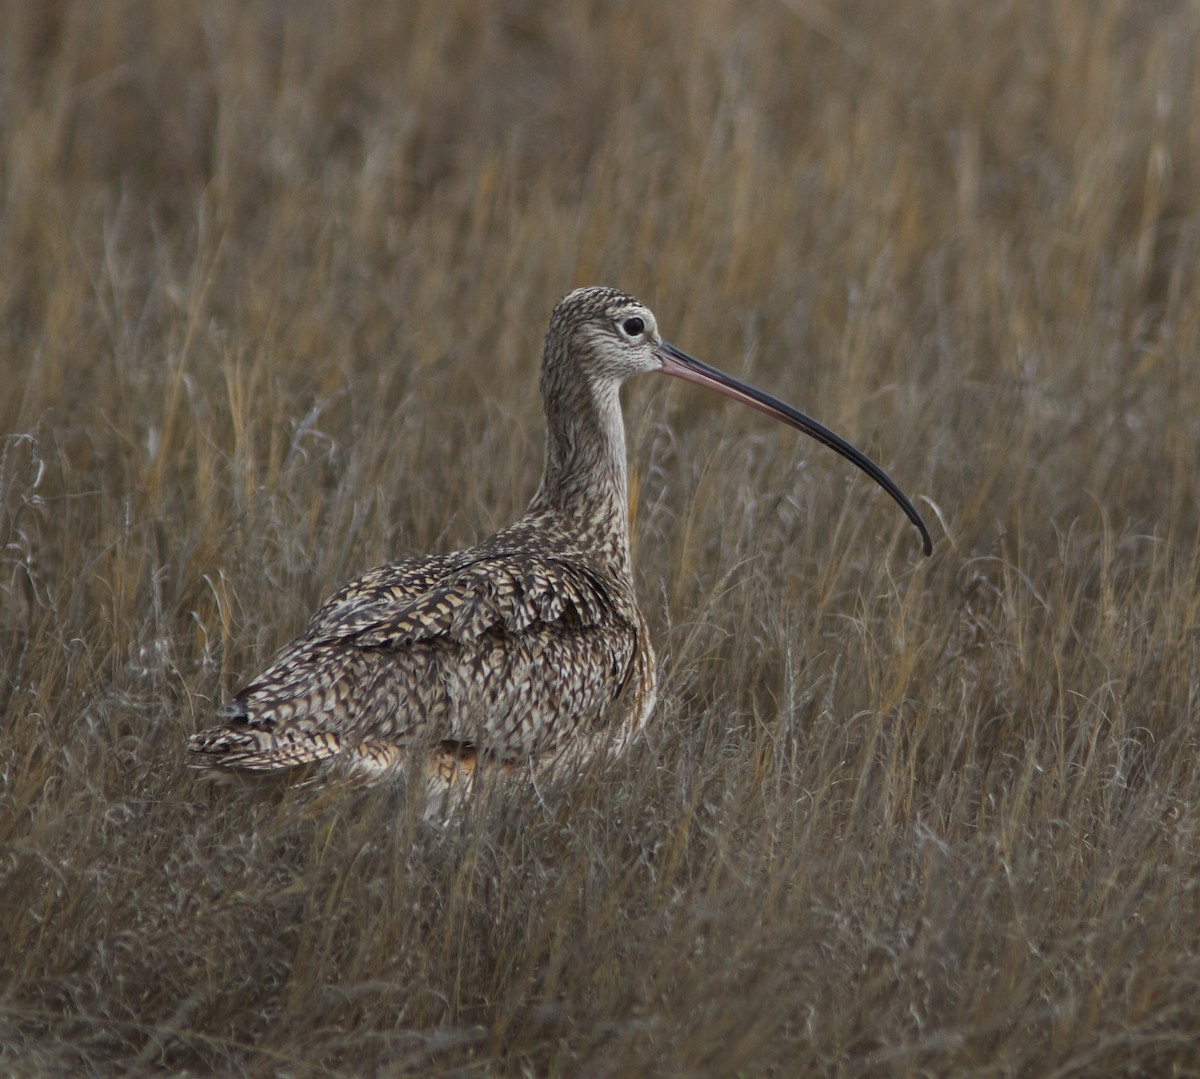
(260, 749)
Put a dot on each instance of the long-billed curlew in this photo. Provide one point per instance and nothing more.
(524, 648)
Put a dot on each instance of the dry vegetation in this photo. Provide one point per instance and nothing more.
(273, 279)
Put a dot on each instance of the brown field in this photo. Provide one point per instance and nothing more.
(273, 281)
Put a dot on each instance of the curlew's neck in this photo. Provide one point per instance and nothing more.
(584, 480)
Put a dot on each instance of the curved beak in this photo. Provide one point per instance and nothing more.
(681, 365)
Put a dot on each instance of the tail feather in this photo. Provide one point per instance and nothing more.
(261, 749)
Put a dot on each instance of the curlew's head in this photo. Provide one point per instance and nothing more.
(601, 333)
(606, 335)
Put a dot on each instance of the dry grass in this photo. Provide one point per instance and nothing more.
(273, 278)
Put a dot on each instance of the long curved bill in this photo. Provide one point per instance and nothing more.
(681, 365)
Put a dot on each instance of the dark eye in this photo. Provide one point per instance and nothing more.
(633, 326)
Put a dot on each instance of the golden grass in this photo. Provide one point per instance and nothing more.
(273, 279)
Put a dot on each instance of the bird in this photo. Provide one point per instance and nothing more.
(524, 650)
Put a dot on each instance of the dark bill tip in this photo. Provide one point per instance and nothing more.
(681, 365)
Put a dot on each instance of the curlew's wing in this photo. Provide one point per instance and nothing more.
(503, 649)
(507, 592)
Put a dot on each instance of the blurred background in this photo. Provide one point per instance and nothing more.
(273, 282)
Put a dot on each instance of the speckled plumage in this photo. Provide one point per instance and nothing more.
(524, 649)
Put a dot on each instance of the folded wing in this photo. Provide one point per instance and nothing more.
(504, 650)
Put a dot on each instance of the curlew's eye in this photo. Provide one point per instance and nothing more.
(633, 326)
